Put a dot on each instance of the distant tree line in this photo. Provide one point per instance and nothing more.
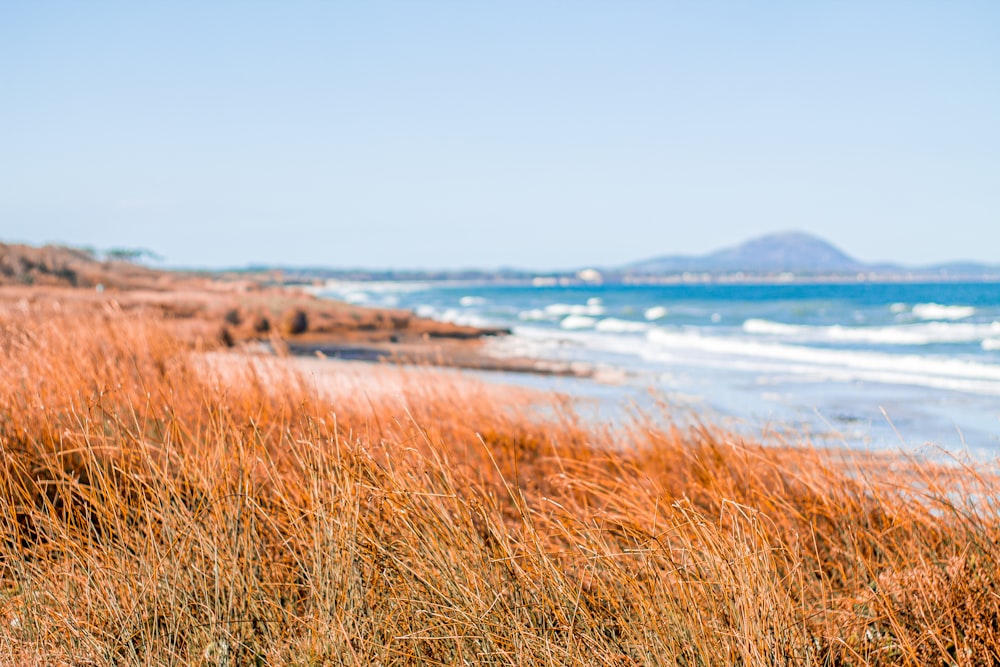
(131, 255)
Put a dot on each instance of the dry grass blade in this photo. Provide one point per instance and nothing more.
(161, 505)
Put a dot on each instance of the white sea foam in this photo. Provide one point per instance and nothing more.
(991, 344)
(905, 334)
(459, 317)
(383, 293)
(789, 363)
(936, 311)
(594, 309)
(827, 364)
(655, 313)
(898, 308)
(767, 327)
(355, 297)
(555, 311)
(469, 301)
(578, 322)
(916, 334)
(615, 325)
(536, 315)
(335, 288)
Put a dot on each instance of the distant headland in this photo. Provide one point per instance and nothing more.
(797, 253)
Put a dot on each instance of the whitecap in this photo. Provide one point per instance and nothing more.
(578, 322)
(469, 301)
(991, 344)
(471, 321)
(561, 309)
(769, 328)
(424, 310)
(825, 364)
(355, 297)
(913, 334)
(691, 348)
(534, 315)
(615, 325)
(456, 316)
(655, 313)
(936, 311)
(904, 334)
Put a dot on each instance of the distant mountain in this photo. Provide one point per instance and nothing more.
(791, 252)
(766, 257)
(774, 253)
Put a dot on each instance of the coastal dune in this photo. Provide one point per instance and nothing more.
(165, 501)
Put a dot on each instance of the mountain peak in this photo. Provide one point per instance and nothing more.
(787, 251)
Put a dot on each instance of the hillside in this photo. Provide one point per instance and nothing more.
(774, 253)
(799, 253)
(236, 310)
(54, 265)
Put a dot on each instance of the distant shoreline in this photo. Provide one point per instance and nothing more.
(314, 281)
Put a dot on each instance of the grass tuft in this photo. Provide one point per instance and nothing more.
(160, 507)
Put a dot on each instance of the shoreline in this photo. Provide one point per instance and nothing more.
(212, 312)
(246, 309)
(465, 355)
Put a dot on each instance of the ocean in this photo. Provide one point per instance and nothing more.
(863, 365)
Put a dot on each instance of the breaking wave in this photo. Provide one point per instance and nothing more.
(903, 334)
(936, 311)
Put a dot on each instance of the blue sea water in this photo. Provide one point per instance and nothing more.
(869, 365)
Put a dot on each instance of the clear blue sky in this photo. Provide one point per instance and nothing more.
(530, 134)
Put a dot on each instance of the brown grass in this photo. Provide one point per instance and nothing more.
(155, 512)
